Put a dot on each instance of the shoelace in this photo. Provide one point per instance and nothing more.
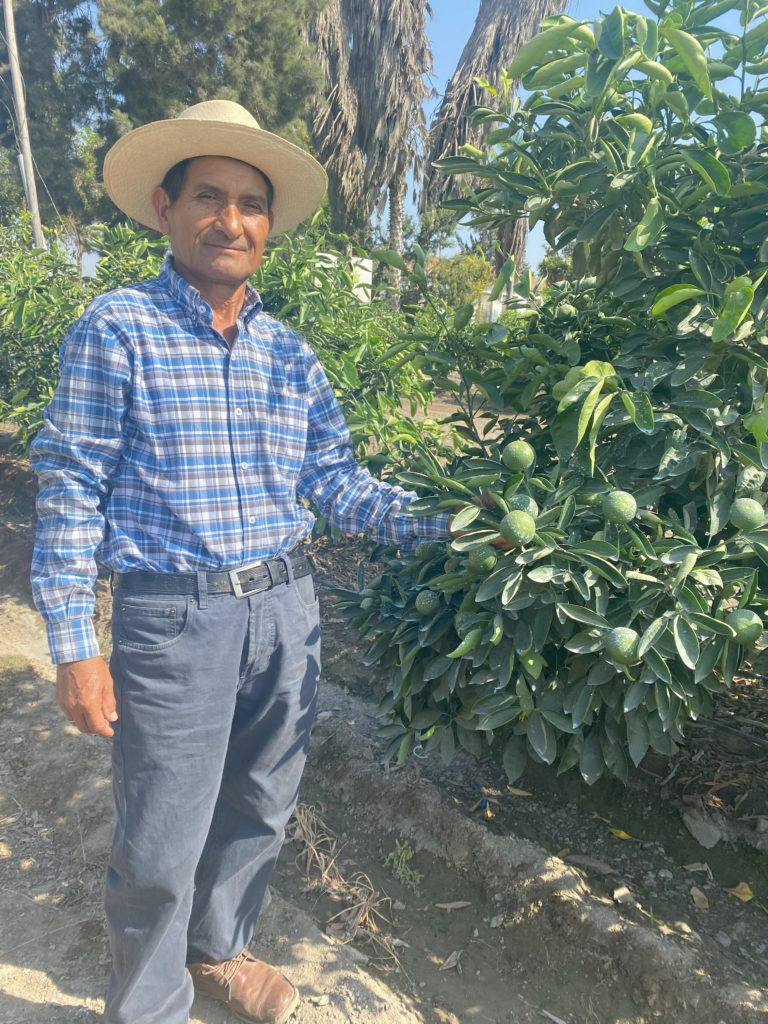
(229, 968)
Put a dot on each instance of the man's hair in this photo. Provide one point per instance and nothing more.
(174, 179)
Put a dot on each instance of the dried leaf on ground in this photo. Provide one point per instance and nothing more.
(454, 960)
(518, 792)
(742, 892)
(591, 863)
(456, 905)
(619, 833)
(699, 898)
(552, 1017)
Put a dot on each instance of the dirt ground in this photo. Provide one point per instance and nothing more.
(493, 905)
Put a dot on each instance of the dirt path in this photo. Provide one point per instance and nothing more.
(526, 938)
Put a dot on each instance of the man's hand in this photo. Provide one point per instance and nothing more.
(86, 695)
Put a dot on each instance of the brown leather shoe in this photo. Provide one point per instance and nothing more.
(254, 991)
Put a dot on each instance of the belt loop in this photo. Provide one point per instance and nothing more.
(286, 560)
(202, 588)
(272, 567)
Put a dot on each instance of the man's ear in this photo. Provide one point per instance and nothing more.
(161, 203)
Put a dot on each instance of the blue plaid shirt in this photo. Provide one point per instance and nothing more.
(164, 449)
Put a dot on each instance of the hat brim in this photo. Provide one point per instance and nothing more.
(137, 163)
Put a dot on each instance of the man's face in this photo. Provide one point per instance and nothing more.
(219, 224)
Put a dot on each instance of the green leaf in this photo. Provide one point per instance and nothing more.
(649, 228)
(591, 762)
(638, 739)
(694, 58)
(652, 635)
(465, 518)
(739, 296)
(533, 52)
(584, 615)
(390, 258)
(672, 296)
(638, 405)
(736, 131)
(514, 757)
(712, 625)
(587, 408)
(635, 122)
(686, 642)
(709, 169)
(658, 665)
(462, 316)
(542, 737)
(610, 40)
(502, 280)
(590, 229)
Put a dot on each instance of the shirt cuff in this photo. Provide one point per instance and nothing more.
(427, 528)
(72, 640)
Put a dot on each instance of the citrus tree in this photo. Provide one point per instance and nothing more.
(607, 577)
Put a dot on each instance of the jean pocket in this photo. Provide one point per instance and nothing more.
(149, 623)
(306, 592)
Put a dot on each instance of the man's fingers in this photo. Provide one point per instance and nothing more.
(108, 706)
(95, 722)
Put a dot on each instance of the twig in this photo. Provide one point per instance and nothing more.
(37, 938)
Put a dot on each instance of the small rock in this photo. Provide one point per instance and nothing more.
(724, 939)
(319, 1000)
(398, 905)
(702, 828)
(666, 875)
(497, 922)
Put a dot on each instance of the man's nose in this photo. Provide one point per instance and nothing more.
(229, 220)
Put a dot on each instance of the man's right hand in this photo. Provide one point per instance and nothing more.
(86, 695)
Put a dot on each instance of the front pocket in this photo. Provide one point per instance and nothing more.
(147, 623)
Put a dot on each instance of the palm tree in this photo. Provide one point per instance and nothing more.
(371, 130)
(501, 28)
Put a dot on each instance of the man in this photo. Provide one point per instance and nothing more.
(185, 425)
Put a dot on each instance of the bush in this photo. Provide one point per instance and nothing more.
(641, 386)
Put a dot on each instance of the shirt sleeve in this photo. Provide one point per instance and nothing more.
(345, 493)
(74, 456)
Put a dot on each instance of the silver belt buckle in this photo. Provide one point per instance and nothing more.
(234, 579)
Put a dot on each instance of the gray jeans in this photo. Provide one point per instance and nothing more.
(215, 697)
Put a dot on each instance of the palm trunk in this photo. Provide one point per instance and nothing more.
(397, 189)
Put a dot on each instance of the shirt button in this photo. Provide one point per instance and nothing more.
(243, 465)
(238, 412)
(252, 519)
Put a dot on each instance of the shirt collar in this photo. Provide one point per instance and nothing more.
(191, 299)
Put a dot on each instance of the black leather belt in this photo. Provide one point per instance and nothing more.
(251, 579)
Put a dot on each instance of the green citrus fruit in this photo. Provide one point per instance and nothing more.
(518, 528)
(427, 602)
(747, 624)
(565, 311)
(621, 645)
(619, 507)
(522, 503)
(427, 549)
(518, 456)
(481, 559)
(747, 514)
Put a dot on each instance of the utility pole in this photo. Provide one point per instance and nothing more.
(21, 117)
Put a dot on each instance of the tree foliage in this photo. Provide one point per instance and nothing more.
(162, 55)
(636, 586)
(63, 75)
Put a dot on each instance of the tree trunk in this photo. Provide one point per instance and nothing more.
(397, 189)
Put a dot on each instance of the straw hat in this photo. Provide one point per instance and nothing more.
(138, 162)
